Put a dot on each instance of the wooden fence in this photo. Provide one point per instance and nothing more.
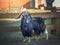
(44, 14)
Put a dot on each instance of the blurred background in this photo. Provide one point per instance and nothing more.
(10, 33)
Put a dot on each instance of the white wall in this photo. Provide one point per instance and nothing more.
(56, 3)
(42, 1)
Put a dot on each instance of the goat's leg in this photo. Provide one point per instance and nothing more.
(46, 32)
(25, 39)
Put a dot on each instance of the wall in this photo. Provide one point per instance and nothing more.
(4, 3)
(16, 3)
(56, 3)
(19, 3)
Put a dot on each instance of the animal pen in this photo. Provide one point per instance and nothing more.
(47, 14)
(12, 23)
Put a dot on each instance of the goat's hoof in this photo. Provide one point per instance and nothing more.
(24, 40)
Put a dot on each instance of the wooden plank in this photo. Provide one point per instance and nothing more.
(52, 15)
(9, 20)
(9, 29)
(16, 29)
(47, 15)
(53, 27)
(57, 26)
(43, 15)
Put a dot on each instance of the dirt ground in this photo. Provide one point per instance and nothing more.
(53, 40)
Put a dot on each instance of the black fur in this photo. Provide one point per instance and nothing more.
(29, 23)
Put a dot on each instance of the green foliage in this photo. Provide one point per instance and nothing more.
(48, 21)
(15, 24)
(58, 33)
(58, 20)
